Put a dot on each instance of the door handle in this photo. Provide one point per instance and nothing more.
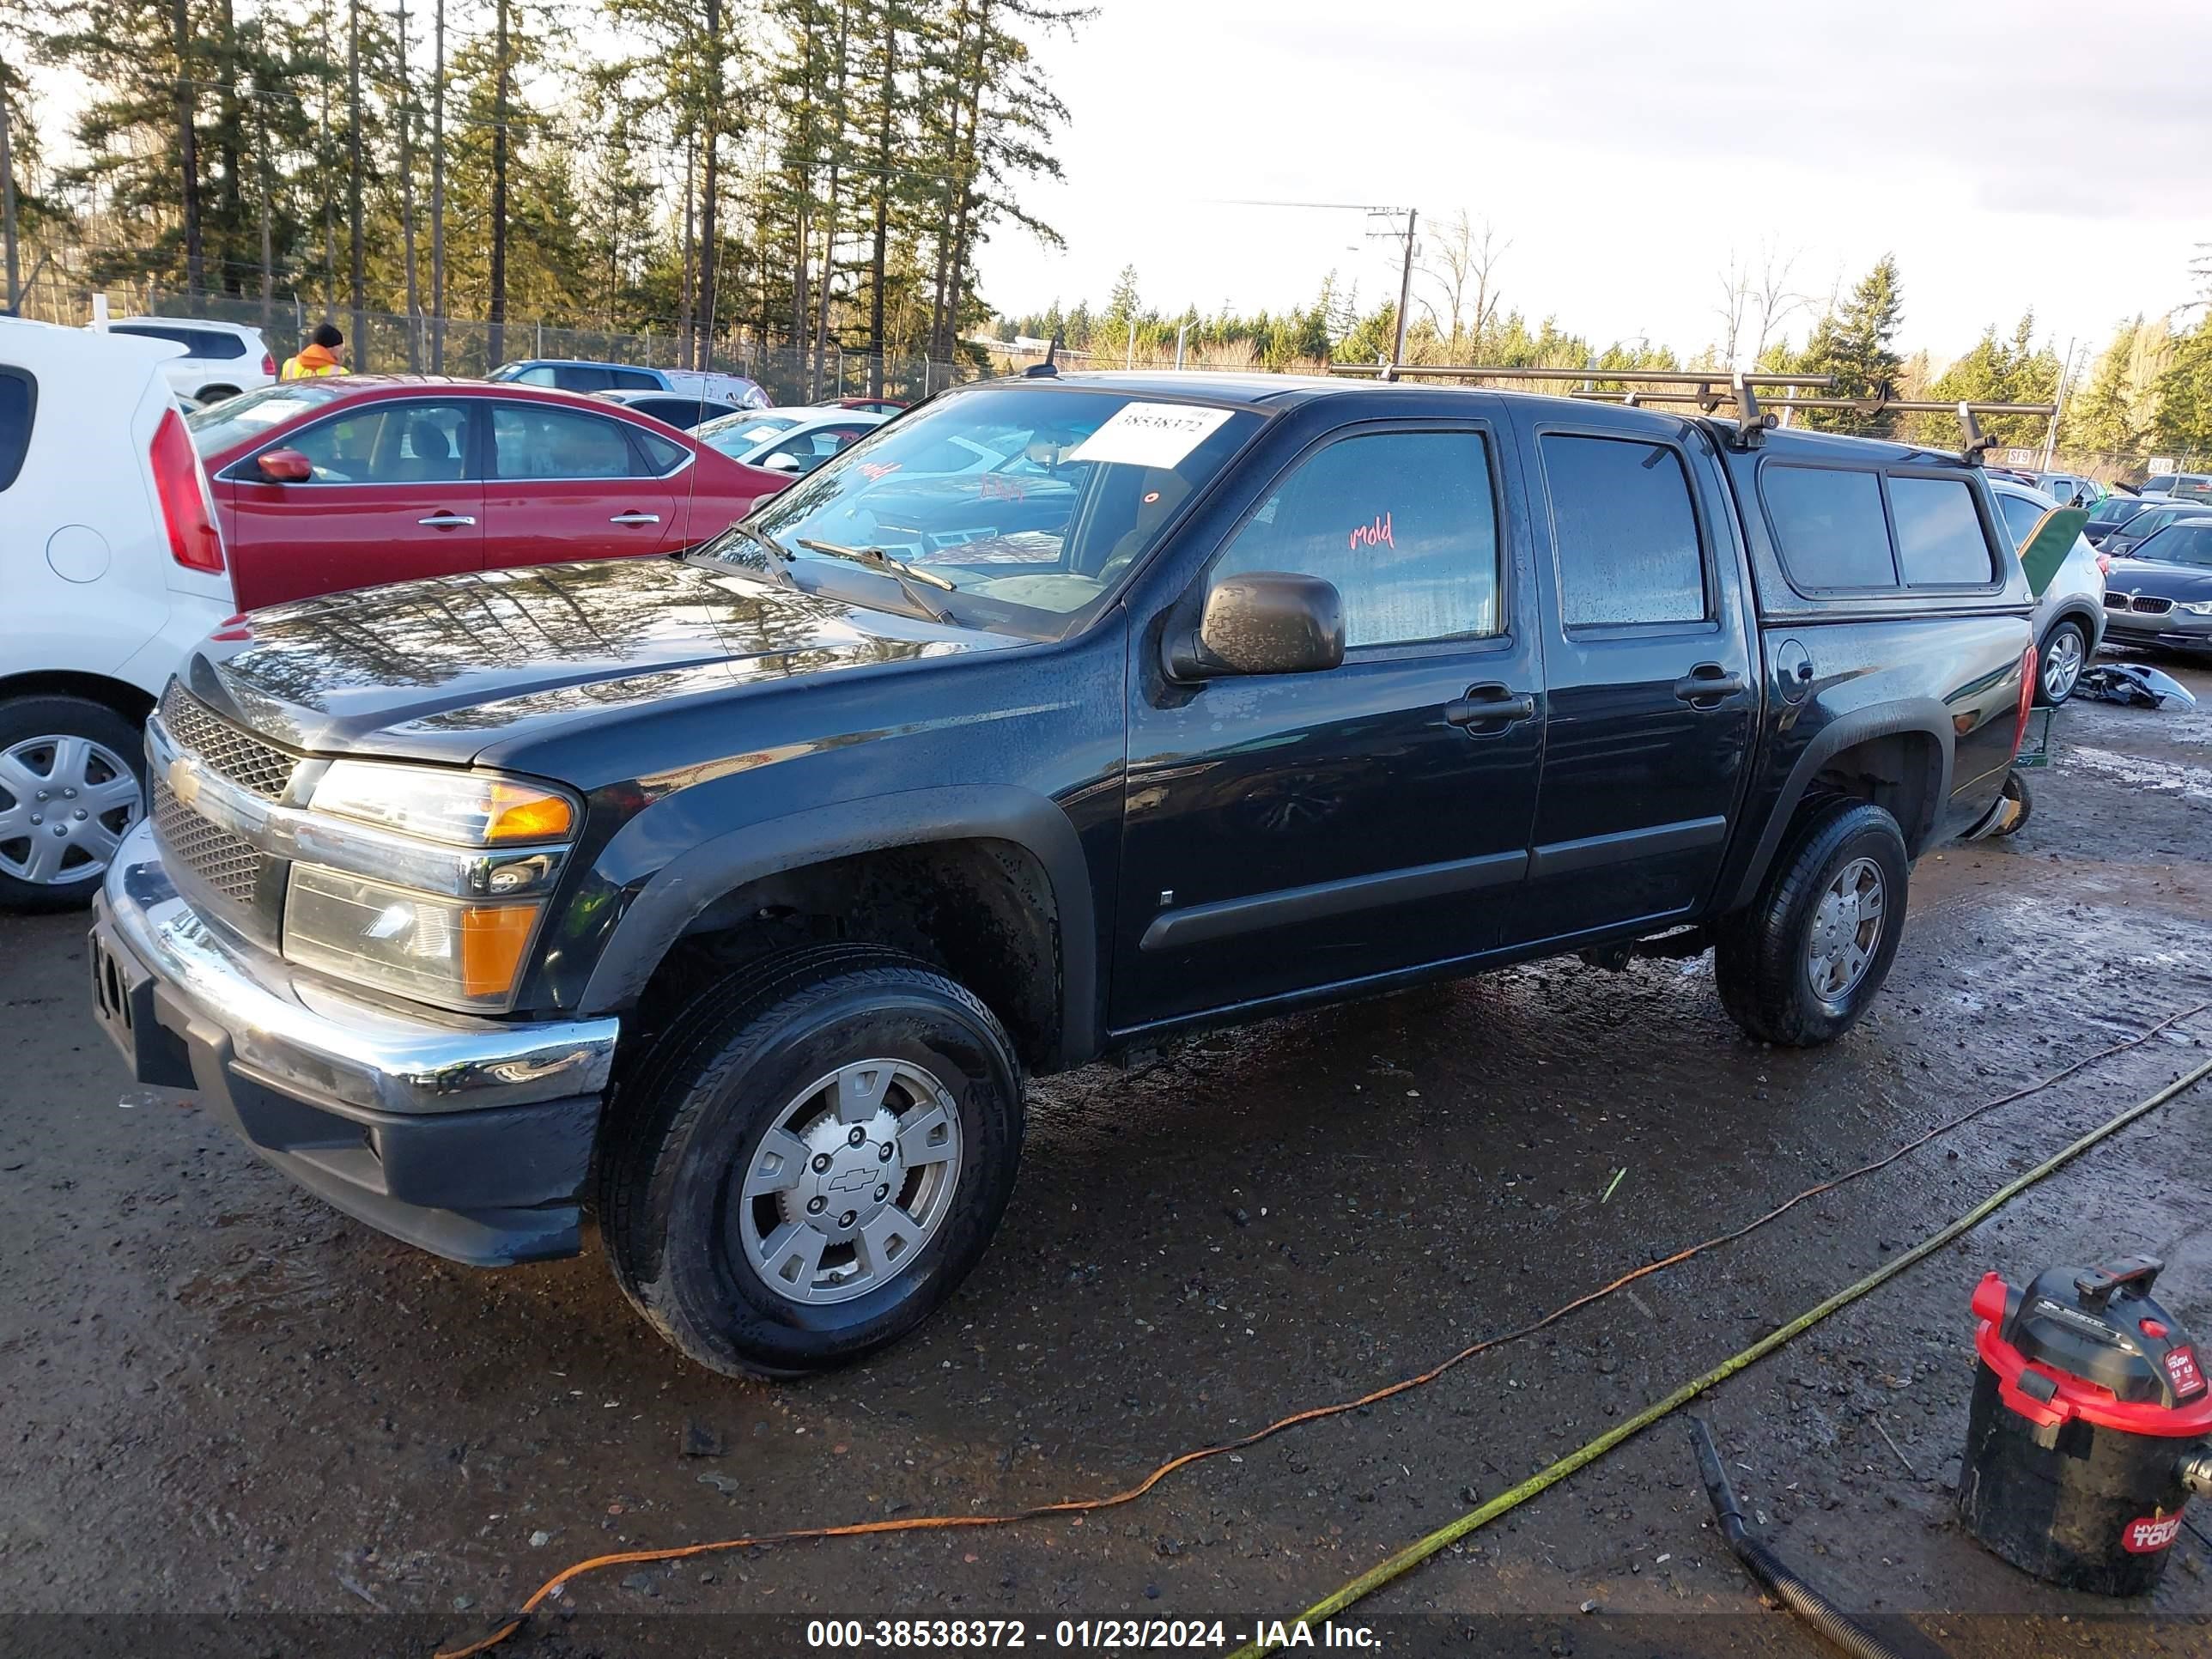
(1706, 685)
(446, 520)
(1490, 704)
(635, 518)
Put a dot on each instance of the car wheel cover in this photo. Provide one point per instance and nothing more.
(849, 1183)
(66, 803)
(1846, 931)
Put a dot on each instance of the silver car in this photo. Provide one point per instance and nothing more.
(2069, 617)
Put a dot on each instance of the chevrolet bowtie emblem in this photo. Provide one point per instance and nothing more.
(184, 779)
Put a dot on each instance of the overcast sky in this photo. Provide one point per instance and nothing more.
(2042, 152)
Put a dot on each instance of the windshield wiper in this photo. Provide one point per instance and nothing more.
(875, 559)
(778, 561)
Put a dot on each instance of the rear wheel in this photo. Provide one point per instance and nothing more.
(2061, 658)
(1801, 965)
(810, 1160)
(215, 394)
(70, 787)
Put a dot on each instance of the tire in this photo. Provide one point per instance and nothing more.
(1764, 960)
(215, 394)
(748, 1060)
(2060, 657)
(89, 764)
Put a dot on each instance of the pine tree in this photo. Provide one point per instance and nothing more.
(1854, 343)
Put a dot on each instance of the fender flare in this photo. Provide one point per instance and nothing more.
(2093, 624)
(682, 890)
(1924, 716)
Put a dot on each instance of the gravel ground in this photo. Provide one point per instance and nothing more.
(240, 1423)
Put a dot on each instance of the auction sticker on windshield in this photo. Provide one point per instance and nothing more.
(1149, 435)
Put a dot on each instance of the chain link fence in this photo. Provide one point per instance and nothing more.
(388, 343)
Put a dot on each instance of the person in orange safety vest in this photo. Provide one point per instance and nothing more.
(318, 357)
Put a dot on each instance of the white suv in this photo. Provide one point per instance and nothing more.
(220, 360)
(112, 564)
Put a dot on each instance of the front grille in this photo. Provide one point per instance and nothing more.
(2153, 607)
(230, 751)
(2116, 601)
(216, 858)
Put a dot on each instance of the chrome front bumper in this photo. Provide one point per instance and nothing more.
(472, 1139)
(302, 1037)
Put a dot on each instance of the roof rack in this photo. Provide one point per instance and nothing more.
(1712, 390)
(1975, 442)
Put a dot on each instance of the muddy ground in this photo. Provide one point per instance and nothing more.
(240, 1423)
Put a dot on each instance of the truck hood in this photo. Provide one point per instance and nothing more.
(446, 668)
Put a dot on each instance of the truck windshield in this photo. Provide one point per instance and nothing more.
(1022, 506)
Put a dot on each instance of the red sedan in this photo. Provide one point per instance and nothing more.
(324, 484)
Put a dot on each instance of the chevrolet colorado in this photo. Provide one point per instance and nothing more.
(732, 896)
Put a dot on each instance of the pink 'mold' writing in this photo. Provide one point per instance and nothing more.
(1376, 534)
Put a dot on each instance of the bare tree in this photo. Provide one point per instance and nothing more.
(1776, 300)
(1736, 301)
(1463, 265)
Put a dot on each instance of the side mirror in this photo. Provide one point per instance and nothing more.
(785, 462)
(1265, 622)
(285, 466)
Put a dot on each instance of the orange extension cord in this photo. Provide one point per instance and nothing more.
(1085, 1505)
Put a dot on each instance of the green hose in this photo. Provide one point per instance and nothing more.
(1421, 1549)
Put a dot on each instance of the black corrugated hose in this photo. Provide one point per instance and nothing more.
(1800, 1597)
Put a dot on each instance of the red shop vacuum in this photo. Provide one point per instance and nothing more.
(2091, 1425)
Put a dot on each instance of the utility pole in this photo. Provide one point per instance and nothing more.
(2058, 407)
(7, 204)
(1405, 295)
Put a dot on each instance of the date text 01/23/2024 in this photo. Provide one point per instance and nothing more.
(1108, 1635)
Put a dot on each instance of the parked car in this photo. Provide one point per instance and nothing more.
(2069, 488)
(883, 406)
(2114, 511)
(113, 568)
(1256, 693)
(353, 481)
(2069, 613)
(581, 374)
(220, 360)
(791, 442)
(2160, 595)
(2160, 512)
(2176, 485)
(681, 410)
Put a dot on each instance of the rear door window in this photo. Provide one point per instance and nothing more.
(2021, 515)
(1829, 524)
(540, 441)
(1625, 531)
(582, 377)
(211, 342)
(634, 380)
(1940, 541)
(19, 401)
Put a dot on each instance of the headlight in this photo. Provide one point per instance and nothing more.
(2201, 608)
(471, 808)
(447, 952)
(398, 906)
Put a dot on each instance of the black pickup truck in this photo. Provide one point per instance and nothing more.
(733, 895)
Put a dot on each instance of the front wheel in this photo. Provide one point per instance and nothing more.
(811, 1161)
(2061, 658)
(1801, 965)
